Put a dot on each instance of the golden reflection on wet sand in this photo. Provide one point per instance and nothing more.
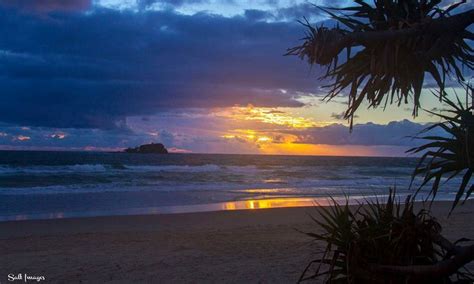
(251, 204)
(272, 203)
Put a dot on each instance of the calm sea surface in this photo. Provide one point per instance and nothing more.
(68, 184)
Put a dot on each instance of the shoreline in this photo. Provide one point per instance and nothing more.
(250, 204)
(32, 227)
(231, 246)
(245, 204)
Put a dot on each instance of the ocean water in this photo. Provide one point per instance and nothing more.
(69, 184)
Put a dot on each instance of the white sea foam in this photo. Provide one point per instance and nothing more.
(52, 169)
(174, 168)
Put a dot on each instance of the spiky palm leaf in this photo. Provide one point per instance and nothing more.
(360, 241)
(398, 41)
(451, 155)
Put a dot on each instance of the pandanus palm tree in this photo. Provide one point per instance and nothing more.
(389, 48)
(447, 156)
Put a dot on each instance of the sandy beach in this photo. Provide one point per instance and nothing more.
(256, 246)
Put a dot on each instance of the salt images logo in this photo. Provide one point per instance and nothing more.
(23, 277)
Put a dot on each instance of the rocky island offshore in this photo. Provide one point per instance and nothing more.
(153, 148)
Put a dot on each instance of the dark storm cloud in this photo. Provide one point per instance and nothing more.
(258, 15)
(397, 133)
(369, 134)
(171, 3)
(94, 69)
(45, 6)
(300, 11)
(14, 137)
(296, 12)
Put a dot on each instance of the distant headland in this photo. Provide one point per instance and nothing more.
(153, 148)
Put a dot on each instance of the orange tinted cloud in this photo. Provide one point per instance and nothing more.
(271, 116)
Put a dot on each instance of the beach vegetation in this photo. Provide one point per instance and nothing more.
(450, 154)
(385, 241)
(390, 46)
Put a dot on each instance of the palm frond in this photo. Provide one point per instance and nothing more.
(381, 233)
(398, 42)
(450, 155)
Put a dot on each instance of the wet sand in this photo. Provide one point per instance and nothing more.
(227, 246)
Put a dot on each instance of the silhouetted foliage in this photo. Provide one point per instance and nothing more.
(384, 242)
(451, 155)
(389, 47)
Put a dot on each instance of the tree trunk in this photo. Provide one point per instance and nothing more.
(459, 256)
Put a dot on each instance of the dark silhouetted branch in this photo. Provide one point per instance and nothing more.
(463, 256)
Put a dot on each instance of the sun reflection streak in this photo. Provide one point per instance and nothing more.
(275, 203)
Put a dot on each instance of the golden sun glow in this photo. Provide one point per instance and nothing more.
(264, 139)
(275, 132)
(259, 137)
(272, 116)
(272, 122)
(315, 149)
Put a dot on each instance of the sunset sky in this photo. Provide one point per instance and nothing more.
(199, 76)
